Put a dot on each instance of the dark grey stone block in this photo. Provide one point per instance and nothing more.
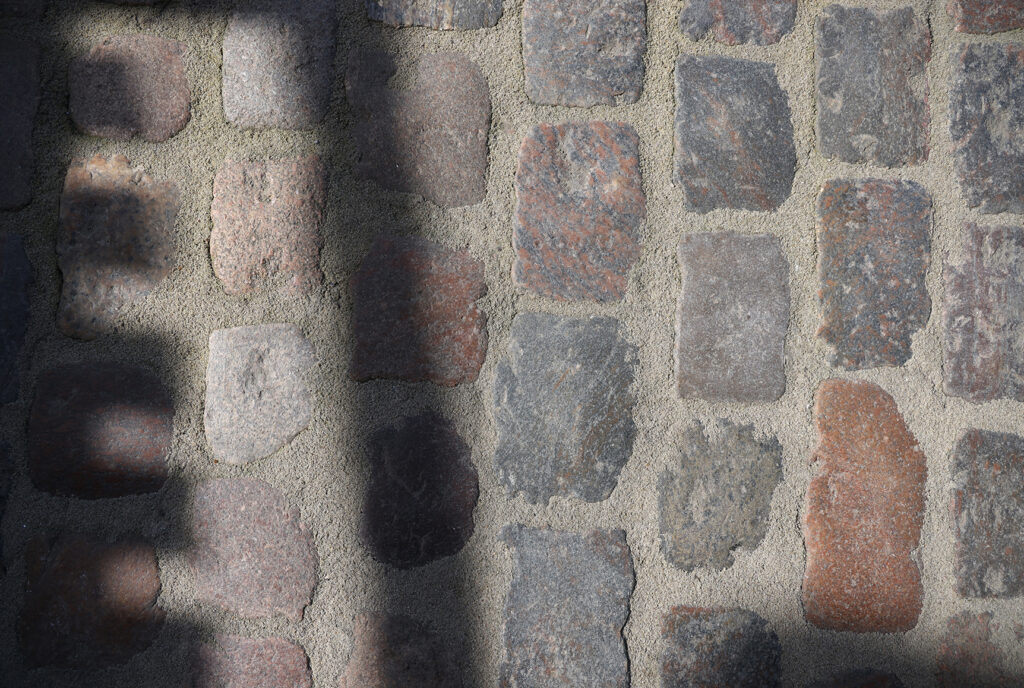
(15, 280)
(712, 648)
(436, 14)
(19, 100)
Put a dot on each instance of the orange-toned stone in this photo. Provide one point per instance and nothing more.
(863, 514)
(986, 16)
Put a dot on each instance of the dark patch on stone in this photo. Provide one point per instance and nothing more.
(19, 101)
(394, 650)
(860, 678)
(436, 14)
(986, 16)
(733, 135)
(739, 21)
(7, 471)
(15, 281)
(231, 661)
(28, 9)
(967, 657)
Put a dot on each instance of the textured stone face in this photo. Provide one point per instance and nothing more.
(251, 555)
(436, 14)
(99, 430)
(988, 514)
(861, 678)
(130, 86)
(579, 210)
(986, 122)
(563, 406)
(872, 90)
(566, 609)
(986, 16)
(584, 52)
(711, 648)
(88, 603)
(415, 316)
(256, 398)
(983, 353)
(739, 21)
(430, 139)
(419, 506)
(15, 280)
(266, 224)
(235, 662)
(968, 657)
(733, 135)
(717, 496)
(732, 317)
(873, 254)
(395, 650)
(19, 100)
(7, 475)
(863, 514)
(116, 242)
(279, 63)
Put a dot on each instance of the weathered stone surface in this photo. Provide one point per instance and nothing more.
(231, 661)
(563, 406)
(429, 139)
(436, 14)
(131, 85)
(88, 603)
(99, 429)
(579, 210)
(584, 52)
(423, 488)
(256, 398)
(279, 63)
(863, 514)
(739, 21)
(872, 89)
(986, 122)
(986, 16)
(732, 317)
(874, 248)
(988, 514)
(393, 650)
(968, 658)
(983, 353)
(266, 224)
(31, 9)
(251, 555)
(7, 473)
(860, 678)
(566, 608)
(717, 496)
(19, 100)
(15, 280)
(116, 242)
(711, 648)
(415, 315)
(733, 135)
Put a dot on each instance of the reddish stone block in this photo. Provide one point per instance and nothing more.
(266, 224)
(579, 210)
(88, 603)
(436, 14)
(986, 16)
(415, 316)
(234, 662)
(968, 658)
(739, 21)
(19, 101)
(99, 430)
(394, 650)
(863, 513)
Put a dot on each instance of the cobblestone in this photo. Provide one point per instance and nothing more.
(762, 22)
(8, 473)
(19, 95)
(579, 210)
(15, 282)
(394, 650)
(235, 662)
(436, 14)
(986, 16)
(861, 678)
(968, 657)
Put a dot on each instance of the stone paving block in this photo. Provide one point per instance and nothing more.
(7, 475)
(428, 139)
(983, 313)
(739, 21)
(436, 14)
(89, 603)
(871, 85)
(563, 406)
(251, 554)
(132, 85)
(415, 315)
(860, 678)
(99, 429)
(986, 122)
(279, 63)
(231, 661)
(116, 241)
(19, 101)
(256, 398)
(579, 210)
(584, 52)
(566, 608)
(716, 496)
(394, 650)
(986, 16)
(423, 488)
(733, 135)
(863, 515)
(967, 657)
(732, 317)
(988, 514)
(267, 219)
(874, 248)
(713, 648)
(15, 281)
